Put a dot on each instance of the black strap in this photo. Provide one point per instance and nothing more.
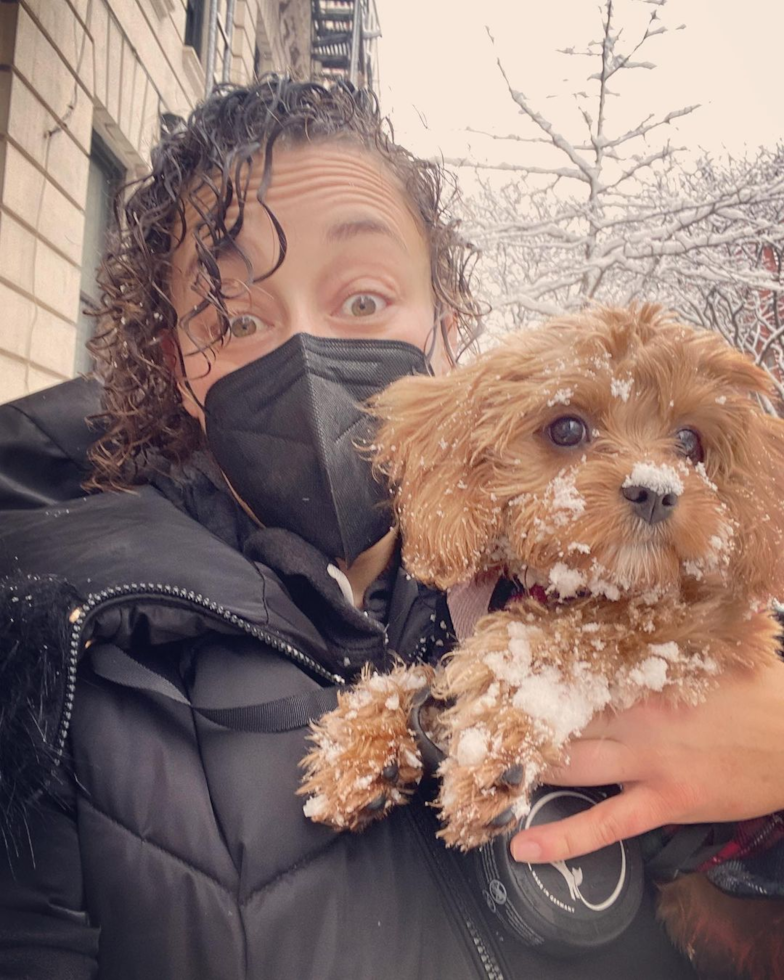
(272, 717)
(283, 715)
(689, 847)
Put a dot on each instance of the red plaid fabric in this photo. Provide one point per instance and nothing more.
(751, 839)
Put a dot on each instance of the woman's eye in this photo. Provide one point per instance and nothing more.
(363, 304)
(245, 325)
(690, 445)
(568, 431)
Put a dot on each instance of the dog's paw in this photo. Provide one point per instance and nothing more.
(365, 759)
(481, 799)
(361, 793)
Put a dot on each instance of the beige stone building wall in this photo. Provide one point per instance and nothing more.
(71, 68)
(286, 24)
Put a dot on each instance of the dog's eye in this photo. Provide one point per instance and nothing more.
(568, 431)
(690, 445)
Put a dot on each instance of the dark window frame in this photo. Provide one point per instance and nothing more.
(194, 26)
(114, 176)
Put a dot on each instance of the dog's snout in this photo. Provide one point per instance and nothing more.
(650, 505)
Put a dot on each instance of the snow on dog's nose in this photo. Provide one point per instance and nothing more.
(652, 491)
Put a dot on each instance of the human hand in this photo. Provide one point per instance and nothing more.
(722, 760)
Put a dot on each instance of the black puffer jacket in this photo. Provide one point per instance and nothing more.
(171, 848)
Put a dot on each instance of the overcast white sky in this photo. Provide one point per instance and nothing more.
(438, 65)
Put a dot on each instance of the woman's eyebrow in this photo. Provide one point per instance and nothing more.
(220, 254)
(341, 232)
(362, 226)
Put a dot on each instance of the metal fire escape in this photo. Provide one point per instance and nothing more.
(342, 36)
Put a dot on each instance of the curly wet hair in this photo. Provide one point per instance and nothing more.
(206, 162)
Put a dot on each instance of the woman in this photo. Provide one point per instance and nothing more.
(283, 261)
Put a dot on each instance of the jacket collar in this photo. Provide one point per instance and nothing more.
(160, 572)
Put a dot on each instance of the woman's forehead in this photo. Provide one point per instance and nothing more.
(322, 182)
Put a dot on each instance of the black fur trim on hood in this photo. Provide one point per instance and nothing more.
(34, 635)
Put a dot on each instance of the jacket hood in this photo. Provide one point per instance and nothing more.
(44, 439)
(128, 554)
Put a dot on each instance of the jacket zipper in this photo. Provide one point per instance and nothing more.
(488, 960)
(94, 600)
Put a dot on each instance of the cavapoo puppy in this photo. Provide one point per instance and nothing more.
(617, 465)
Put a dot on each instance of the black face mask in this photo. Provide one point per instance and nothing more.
(284, 430)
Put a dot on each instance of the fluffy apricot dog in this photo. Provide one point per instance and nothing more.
(620, 466)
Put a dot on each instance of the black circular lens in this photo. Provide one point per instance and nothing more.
(568, 431)
(690, 445)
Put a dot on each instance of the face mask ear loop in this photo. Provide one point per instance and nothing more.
(185, 380)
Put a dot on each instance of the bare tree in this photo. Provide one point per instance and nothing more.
(736, 285)
(614, 216)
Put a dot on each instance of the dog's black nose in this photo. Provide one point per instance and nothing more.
(651, 506)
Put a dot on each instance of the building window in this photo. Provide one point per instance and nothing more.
(104, 180)
(194, 25)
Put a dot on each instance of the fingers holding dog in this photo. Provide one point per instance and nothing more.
(597, 762)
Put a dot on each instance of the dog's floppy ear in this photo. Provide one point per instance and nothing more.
(757, 491)
(760, 560)
(424, 446)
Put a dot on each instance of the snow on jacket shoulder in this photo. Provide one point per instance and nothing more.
(169, 848)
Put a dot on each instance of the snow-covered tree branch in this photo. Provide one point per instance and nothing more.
(616, 216)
